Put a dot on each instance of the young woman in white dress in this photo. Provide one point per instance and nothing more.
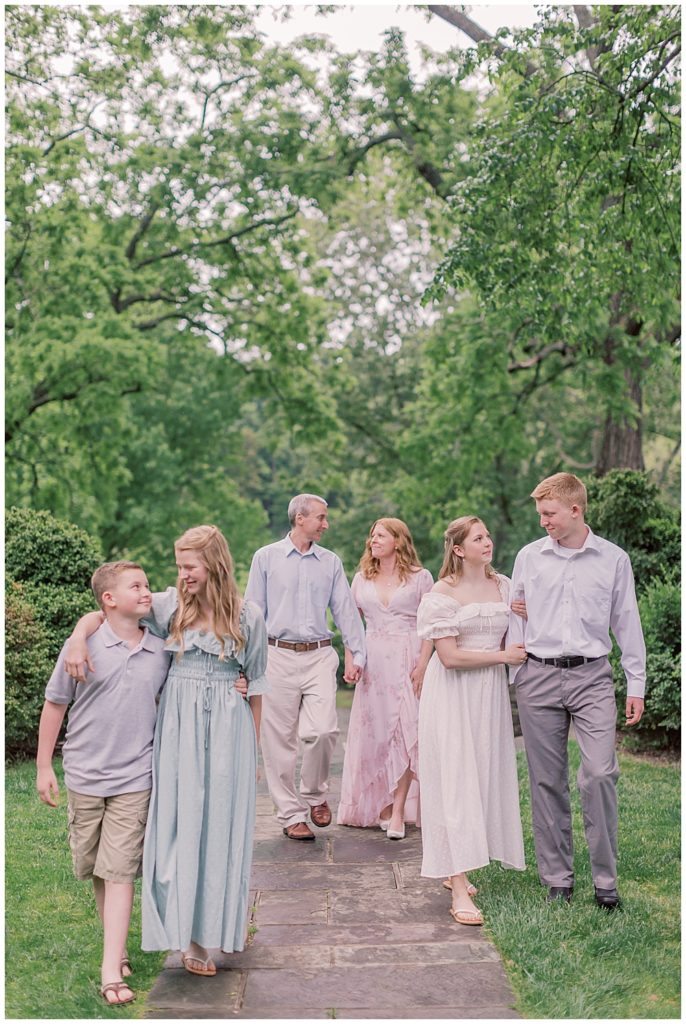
(467, 763)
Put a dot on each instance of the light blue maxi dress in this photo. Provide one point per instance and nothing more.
(199, 838)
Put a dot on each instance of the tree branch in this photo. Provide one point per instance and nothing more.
(42, 396)
(140, 231)
(74, 131)
(121, 304)
(20, 256)
(527, 364)
(355, 157)
(658, 71)
(178, 251)
(217, 87)
(464, 23)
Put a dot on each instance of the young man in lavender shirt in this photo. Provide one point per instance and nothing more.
(574, 587)
(293, 582)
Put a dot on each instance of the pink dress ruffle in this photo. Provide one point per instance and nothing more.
(382, 734)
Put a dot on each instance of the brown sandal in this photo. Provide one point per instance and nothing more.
(116, 987)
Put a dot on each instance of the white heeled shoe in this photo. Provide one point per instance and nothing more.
(392, 834)
(383, 824)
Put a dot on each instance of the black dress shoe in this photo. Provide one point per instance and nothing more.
(608, 899)
(560, 892)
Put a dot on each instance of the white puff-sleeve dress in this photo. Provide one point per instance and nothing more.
(467, 762)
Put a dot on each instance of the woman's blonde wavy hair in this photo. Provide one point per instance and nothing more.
(221, 593)
(457, 533)
(406, 556)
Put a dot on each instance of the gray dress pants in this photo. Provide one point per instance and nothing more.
(549, 699)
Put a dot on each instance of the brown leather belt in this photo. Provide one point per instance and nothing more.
(299, 645)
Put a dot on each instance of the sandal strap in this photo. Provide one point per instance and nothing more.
(116, 987)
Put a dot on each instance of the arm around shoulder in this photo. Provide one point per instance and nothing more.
(77, 660)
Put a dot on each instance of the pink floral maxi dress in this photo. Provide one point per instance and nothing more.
(382, 735)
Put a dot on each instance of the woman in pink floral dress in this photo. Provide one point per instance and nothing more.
(379, 771)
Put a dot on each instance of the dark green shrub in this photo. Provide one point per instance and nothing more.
(49, 565)
(42, 549)
(660, 606)
(625, 507)
(28, 664)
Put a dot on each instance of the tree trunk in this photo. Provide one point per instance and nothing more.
(622, 443)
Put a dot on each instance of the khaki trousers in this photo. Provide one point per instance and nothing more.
(549, 699)
(300, 705)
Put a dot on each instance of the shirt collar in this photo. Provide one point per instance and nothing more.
(111, 639)
(589, 544)
(313, 549)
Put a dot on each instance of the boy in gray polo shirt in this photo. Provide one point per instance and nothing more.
(107, 756)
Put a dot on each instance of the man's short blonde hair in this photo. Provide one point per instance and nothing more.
(564, 487)
(106, 575)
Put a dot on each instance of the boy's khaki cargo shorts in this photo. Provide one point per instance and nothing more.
(106, 834)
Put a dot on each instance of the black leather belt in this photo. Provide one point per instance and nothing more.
(572, 662)
(299, 645)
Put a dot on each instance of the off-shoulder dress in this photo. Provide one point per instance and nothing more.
(467, 761)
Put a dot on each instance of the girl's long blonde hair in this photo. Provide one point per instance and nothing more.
(221, 592)
(406, 558)
(457, 533)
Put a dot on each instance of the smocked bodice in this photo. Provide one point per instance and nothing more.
(476, 627)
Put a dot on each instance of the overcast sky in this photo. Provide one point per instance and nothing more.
(360, 26)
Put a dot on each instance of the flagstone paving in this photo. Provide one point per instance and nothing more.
(344, 927)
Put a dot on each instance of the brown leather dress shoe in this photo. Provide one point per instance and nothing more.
(321, 815)
(300, 830)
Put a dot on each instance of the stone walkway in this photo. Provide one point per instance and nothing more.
(342, 928)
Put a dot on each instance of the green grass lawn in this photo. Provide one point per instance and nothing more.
(579, 961)
(344, 696)
(563, 962)
(53, 941)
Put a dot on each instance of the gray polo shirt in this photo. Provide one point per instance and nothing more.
(108, 749)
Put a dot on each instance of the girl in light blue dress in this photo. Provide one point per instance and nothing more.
(199, 839)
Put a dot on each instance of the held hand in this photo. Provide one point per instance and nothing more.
(634, 710)
(241, 685)
(519, 608)
(46, 784)
(351, 672)
(77, 660)
(514, 654)
(417, 677)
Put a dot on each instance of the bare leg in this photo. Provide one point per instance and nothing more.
(471, 889)
(385, 814)
(399, 797)
(99, 891)
(461, 898)
(117, 904)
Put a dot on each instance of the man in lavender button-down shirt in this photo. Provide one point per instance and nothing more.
(576, 588)
(293, 582)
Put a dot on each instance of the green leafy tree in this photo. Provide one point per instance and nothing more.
(568, 223)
